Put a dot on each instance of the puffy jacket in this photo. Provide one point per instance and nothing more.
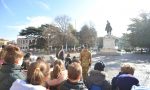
(8, 74)
(126, 81)
(98, 78)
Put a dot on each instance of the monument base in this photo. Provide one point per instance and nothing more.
(108, 52)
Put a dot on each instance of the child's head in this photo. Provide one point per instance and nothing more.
(38, 73)
(27, 55)
(58, 67)
(13, 55)
(75, 60)
(74, 71)
(127, 68)
(68, 55)
(99, 66)
(60, 63)
(40, 59)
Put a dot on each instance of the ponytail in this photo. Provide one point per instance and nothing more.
(37, 71)
(37, 77)
(56, 71)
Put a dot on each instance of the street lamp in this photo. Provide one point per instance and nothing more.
(48, 43)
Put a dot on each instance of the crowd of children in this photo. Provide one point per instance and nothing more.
(62, 76)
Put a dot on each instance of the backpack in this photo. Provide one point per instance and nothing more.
(96, 87)
(140, 88)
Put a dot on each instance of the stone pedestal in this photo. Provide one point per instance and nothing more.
(109, 46)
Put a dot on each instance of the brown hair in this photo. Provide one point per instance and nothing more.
(127, 68)
(74, 71)
(37, 72)
(40, 59)
(12, 53)
(60, 63)
(58, 67)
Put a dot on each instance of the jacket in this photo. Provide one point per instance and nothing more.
(22, 85)
(67, 85)
(98, 78)
(114, 80)
(8, 74)
(126, 81)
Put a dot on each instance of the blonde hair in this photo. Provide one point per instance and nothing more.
(74, 71)
(37, 71)
(127, 68)
(58, 68)
(12, 53)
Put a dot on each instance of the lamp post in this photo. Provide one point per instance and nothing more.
(48, 43)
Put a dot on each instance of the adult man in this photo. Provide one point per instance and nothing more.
(108, 28)
(61, 54)
(85, 58)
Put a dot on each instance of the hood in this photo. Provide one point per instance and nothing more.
(10, 68)
(22, 85)
(74, 86)
(96, 76)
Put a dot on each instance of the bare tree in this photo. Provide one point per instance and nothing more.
(63, 22)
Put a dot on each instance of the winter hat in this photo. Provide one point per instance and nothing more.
(99, 66)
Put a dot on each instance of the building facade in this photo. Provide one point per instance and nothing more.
(24, 43)
(3, 42)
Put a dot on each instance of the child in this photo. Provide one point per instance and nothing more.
(98, 77)
(74, 75)
(58, 75)
(37, 74)
(125, 79)
(11, 68)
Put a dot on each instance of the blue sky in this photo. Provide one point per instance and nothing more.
(19, 14)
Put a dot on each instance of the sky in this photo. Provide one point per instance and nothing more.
(16, 15)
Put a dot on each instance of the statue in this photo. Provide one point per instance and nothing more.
(108, 28)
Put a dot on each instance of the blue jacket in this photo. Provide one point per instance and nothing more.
(113, 82)
(126, 81)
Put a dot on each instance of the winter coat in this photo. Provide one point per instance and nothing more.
(67, 62)
(98, 78)
(22, 85)
(126, 81)
(67, 85)
(8, 74)
(113, 82)
(61, 54)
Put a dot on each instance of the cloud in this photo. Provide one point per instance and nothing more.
(6, 7)
(33, 21)
(118, 12)
(43, 5)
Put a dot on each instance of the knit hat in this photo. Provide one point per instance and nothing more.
(99, 66)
